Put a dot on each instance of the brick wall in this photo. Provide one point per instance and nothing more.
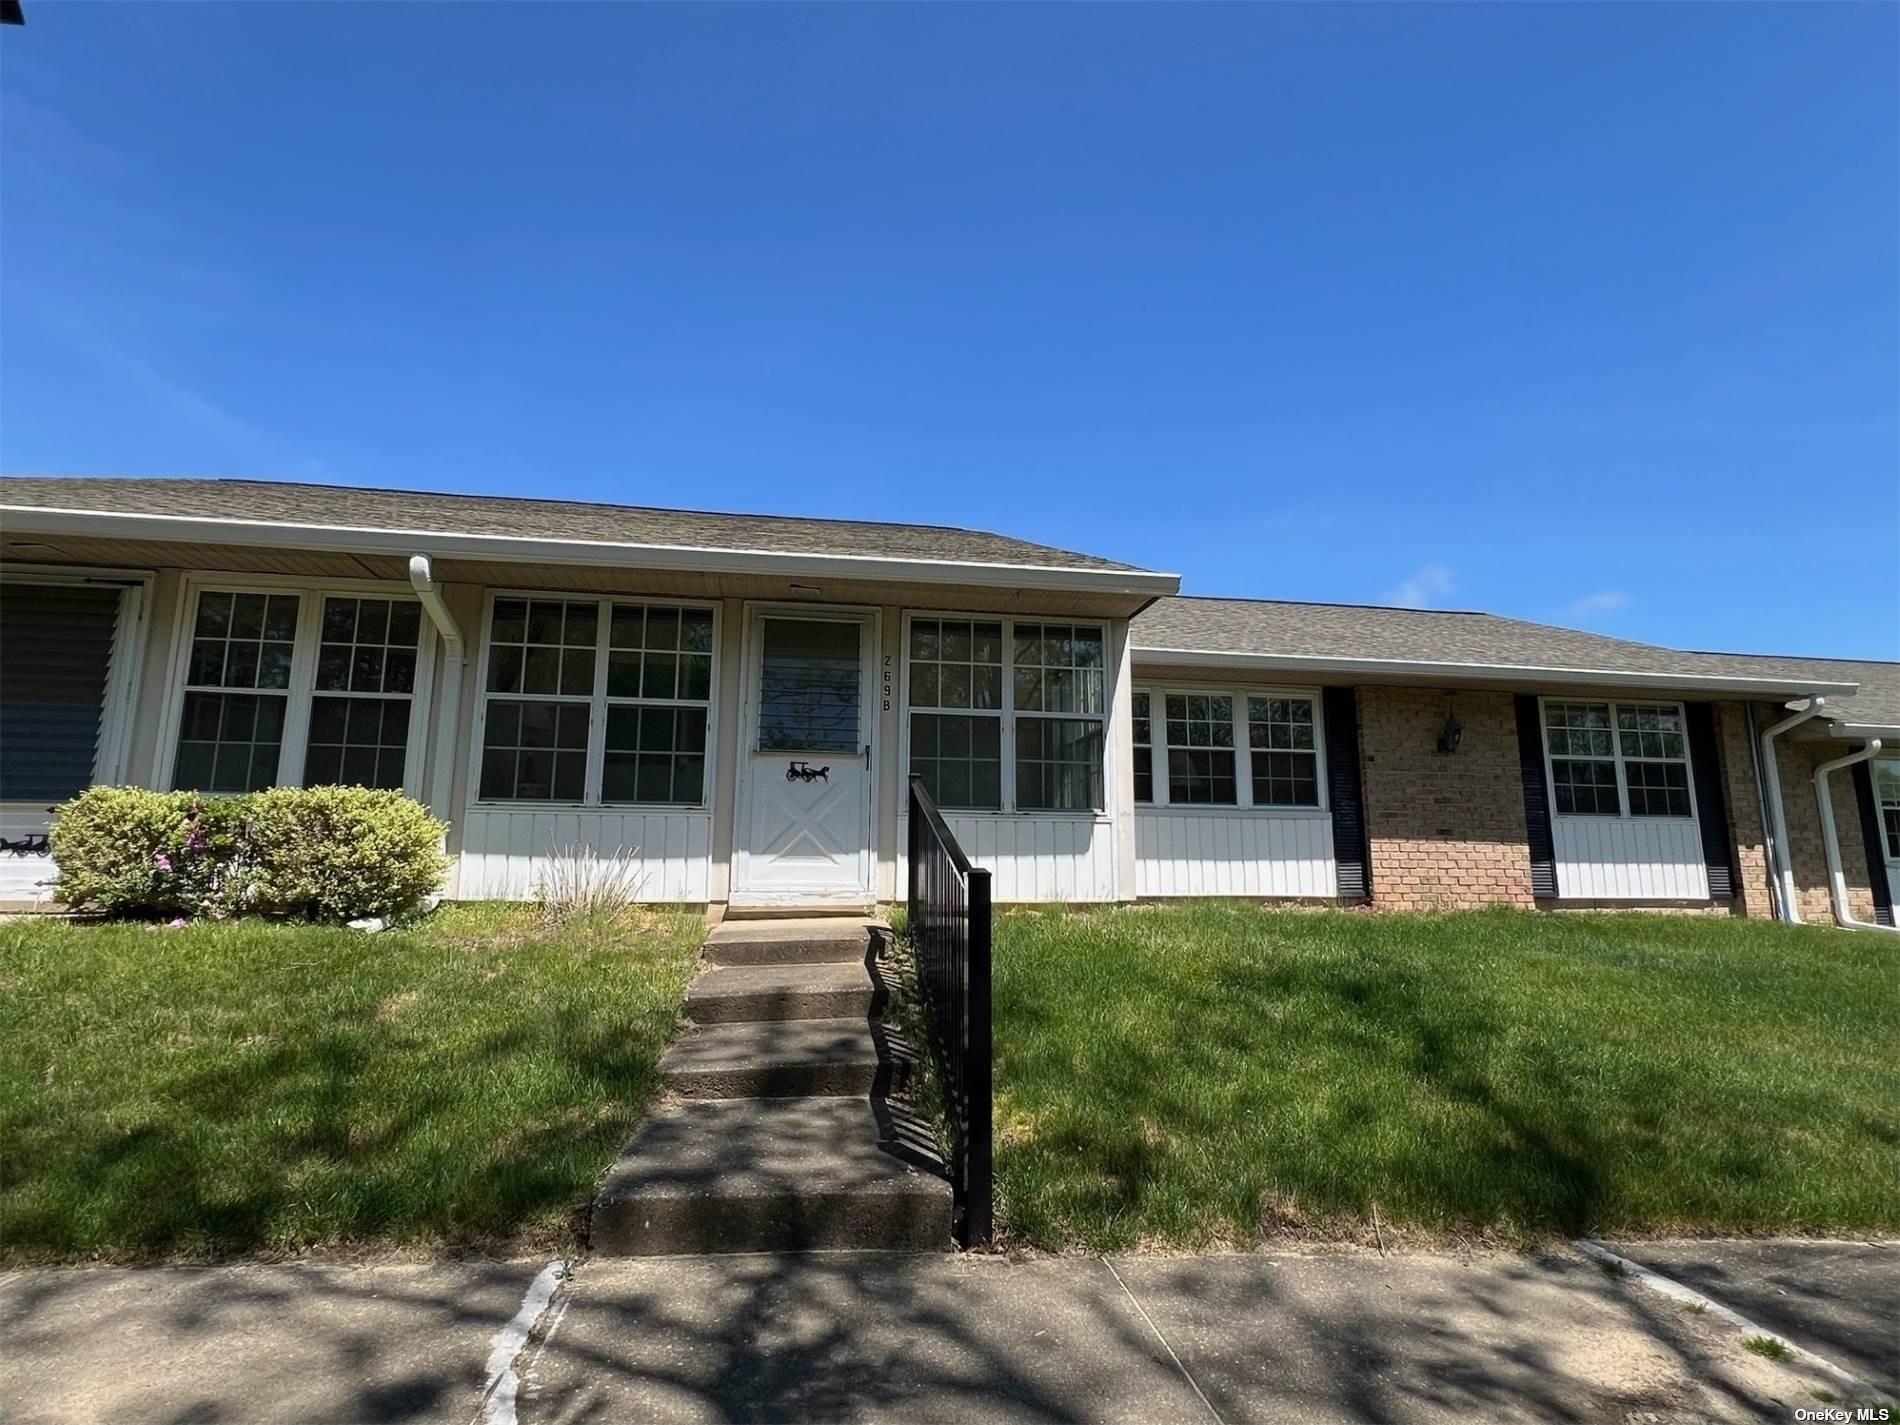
(1798, 761)
(1746, 843)
(1443, 832)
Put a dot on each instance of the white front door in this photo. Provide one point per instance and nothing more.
(804, 813)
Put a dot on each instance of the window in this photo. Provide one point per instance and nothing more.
(534, 748)
(1200, 733)
(560, 669)
(1582, 758)
(1144, 750)
(956, 699)
(1618, 759)
(975, 685)
(659, 690)
(1059, 677)
(287, 688)
(1282, 752)
(365, 683)
(1887, 797)
(1238, 747)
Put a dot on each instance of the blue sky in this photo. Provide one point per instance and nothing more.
(1587, 314)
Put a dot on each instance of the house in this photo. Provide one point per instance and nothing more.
(734, 700)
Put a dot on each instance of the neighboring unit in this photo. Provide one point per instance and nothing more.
(735, 699)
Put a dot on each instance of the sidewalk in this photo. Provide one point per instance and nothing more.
(872, 1336)
(1347, 1338)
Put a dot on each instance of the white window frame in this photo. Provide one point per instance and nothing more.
(1623, 813)
(1888, 851)
(597, 705)
(1009, 711)
(303, 668)
(1243, 804)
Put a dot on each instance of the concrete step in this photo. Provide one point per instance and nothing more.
(758, 1174)
(725, 994)
(805, 941)
(784, 1058)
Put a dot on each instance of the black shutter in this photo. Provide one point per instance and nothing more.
(55, 652)
(1530, 765)
(1876, 850)
(1340, 708)
(1710, 803)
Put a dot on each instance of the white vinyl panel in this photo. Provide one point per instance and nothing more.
(505, 852)
(1629, 859)
(1034, 858)
(1181, 853)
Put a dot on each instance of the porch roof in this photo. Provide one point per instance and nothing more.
(497, 529)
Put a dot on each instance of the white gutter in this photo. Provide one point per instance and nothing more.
(1777, 813)
(1514, 673)
(454, 670)
(1836, 877)
(351, 539)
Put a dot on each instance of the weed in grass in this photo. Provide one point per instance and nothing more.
(579, 883)
(1768, 1346)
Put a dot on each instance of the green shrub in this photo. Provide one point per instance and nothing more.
(331, 853)
(128, 851)
(336, 853)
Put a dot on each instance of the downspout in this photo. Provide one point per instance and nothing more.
(454, 666)
(1777, 814)
(1836, 876)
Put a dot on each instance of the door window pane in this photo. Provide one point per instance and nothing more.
(809, 686)
(55, 654)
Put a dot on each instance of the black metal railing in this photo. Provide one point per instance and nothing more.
(950, 936)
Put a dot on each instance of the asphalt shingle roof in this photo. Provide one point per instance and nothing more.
(1296, 630)
(348, 507)
(1876, 704)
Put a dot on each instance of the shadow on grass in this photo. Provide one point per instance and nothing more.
(295, 1146)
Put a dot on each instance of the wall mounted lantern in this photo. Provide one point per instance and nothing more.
(1453, 732)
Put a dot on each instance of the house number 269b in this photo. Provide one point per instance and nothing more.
(888, 660)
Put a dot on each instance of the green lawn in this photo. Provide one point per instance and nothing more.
(1220, 1072)
(248, 1088)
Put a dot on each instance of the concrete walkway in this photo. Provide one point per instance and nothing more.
(867, 1336)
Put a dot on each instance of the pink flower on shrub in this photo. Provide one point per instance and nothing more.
(162, 861)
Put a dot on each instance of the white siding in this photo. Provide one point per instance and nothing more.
(20, 876)
(1179, 852)
(1032, 858)
(503, 852)
(1604, 858)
